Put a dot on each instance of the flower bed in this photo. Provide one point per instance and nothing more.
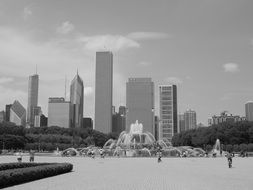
(18, 175)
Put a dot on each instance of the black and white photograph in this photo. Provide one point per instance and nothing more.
(126, 94)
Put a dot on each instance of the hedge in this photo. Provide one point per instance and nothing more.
(10, 177)
(15, 165)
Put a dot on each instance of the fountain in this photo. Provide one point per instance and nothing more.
(217, 148)
(132, 143)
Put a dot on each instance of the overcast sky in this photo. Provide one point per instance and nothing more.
(204, 46)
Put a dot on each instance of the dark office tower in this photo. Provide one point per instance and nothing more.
(87, 122)
(140, 103)
(103, 92)
(122, 110)
(7, 112)
(168, 111)
(156, 128)
(76, 102)
(33, 88)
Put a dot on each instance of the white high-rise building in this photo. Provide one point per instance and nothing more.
(33, 88)
(168, 111)
(58, 112)
(103, 92)
(140, 103)
(249, 111)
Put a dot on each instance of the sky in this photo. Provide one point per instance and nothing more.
(205, 47)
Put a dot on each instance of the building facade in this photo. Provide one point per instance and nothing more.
(168, 111)
(249, 111)
(7, 112)
(103, 92)
(225, 117)
(18, 114)
(119, 120)
(190, 118)
(2, 116)
(140, 103)
(181, 122)
(58, 112)
(76, 101)
(33, 88)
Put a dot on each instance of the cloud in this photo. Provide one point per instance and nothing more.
(65, 28)
(231, 67)
(4, 80)
(174, 80)
(108, 42)
(145, 63)
(27, 12)
(8, 96)
(147, 35)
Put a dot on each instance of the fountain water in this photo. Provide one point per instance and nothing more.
(217, 148)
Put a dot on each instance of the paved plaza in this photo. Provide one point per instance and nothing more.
(145, 174)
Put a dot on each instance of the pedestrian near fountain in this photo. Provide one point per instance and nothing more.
(31, 154)
(19, 156)
(159, 155)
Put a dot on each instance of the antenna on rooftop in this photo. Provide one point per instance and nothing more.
(65, 87)
(36, 69)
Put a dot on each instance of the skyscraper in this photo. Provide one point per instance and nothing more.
(181, 122)
(103, 92)
(140, 103)
(17, 113)
(33, 88)
(7, 112)
(190, 119)
(76, 101)
(168, 111)
(249, 111)
(58, 112)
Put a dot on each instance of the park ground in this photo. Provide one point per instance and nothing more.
(145, 174)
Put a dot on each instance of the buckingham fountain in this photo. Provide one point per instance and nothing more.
(140, 143)
(137, 143)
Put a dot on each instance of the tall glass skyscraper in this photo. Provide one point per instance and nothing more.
(76, 102)
(140, 103)
(33, 88)
(103, 92)
(249, 111)
(168, 111)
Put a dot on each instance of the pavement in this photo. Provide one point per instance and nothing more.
(145, 174)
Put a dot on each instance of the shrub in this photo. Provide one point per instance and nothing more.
(15, 165)
(16, 176)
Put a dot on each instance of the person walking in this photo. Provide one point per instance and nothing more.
(159, 155)
(31, 153)
(19, 156)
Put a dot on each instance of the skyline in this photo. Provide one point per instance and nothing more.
(205, 47)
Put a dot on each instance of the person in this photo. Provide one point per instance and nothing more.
(101, 152)
(92, 153)
(19, 156)
(31, 153)
(229, 157)
(159, 155)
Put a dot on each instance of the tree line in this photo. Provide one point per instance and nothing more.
(49, 138)
(233, 136)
